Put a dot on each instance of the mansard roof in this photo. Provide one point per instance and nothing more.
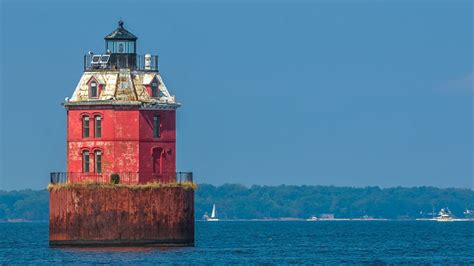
(122, 87)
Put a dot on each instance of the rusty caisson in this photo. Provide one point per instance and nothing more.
(121, 133)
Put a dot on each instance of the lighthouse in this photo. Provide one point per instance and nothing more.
(121, 186)
(121, 119)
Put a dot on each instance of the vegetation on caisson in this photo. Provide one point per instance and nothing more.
(260, 202)
(113, 185)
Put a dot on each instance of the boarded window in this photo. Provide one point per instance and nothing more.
(85, 162)
(98, 126)
(85, 127)
(157, 160)
(93, 90)
(98, 162)
(156, 126)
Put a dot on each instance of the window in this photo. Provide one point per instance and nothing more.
(93, 90)
(85, 162)
(98, 162)
(85, 126)
(127, 47)
(154, 88)
(98, 126)
(156, 126)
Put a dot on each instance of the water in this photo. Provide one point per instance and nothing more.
(295, 242)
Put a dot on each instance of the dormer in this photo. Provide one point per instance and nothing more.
(153, 88)
(95, 88)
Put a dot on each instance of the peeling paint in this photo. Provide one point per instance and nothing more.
(126, 143)
(121, 86)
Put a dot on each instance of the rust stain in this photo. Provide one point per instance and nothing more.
(163, 216)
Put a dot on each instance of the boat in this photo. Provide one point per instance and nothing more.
(444, 215)
(468, 213)
(213, 217)
(312, 218)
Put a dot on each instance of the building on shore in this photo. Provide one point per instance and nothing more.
(121, 186)
(327, 216)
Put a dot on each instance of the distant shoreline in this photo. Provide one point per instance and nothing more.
(258, 203)
(22, 221)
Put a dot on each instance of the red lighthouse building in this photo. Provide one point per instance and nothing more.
(121, 118)
(121, 187)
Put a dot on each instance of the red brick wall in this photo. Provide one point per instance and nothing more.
(126, 143)
(121, 216)
(166, 142)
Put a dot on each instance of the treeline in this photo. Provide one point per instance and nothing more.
(24, 204)
(260, 202)
(240, 202)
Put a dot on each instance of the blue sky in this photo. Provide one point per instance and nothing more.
(330, 93)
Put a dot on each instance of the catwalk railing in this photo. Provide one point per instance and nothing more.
(123, 177)
(94, 62)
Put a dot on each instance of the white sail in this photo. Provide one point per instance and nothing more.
(213, 217)
(213, 214)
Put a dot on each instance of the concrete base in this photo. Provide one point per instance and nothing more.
(121, 216)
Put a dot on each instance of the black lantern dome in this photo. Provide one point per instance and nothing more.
(121, 41)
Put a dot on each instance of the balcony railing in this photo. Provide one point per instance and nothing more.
(93, 62)
(124, 177)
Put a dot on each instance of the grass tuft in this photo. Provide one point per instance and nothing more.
(154, 185)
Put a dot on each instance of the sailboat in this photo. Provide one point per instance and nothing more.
(213, 217)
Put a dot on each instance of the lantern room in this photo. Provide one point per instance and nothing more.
(121, 41)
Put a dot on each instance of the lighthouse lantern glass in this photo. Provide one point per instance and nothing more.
(121, 47)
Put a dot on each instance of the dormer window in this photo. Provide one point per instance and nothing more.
(154, 88)
(93, 89)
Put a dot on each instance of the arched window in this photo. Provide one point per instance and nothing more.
(98, 161)
(97, 126)
(85, 162)
(93, 90)
(85, 126)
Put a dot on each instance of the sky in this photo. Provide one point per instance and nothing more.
(344, 93)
